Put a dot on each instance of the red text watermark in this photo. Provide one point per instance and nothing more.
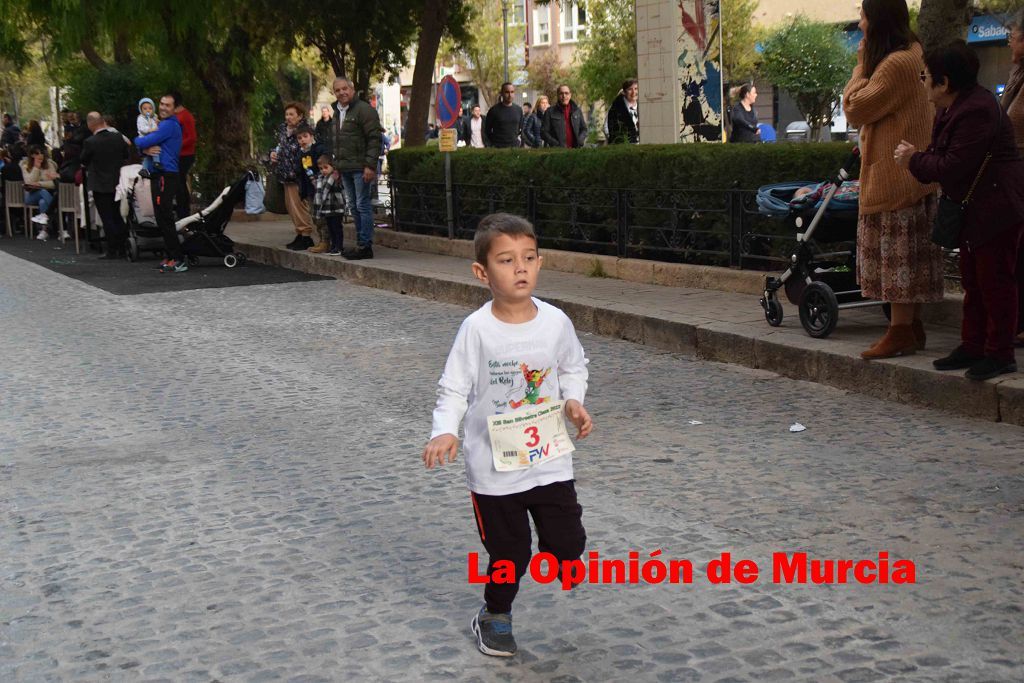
(786, 568)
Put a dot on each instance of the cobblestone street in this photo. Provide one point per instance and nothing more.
(225, 484)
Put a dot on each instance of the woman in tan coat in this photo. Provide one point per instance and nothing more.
(896, 259)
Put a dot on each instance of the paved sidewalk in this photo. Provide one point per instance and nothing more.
(705, 323)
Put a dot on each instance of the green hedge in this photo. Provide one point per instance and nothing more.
(699, 166)
(679, 207)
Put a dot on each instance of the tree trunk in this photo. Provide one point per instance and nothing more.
(122, 55)
(333, 54)
(432, 22)
(283, 87)
(228, 137)
(361, 69)
(91, 55)
(943, 21)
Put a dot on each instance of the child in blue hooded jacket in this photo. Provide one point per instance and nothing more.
(146, 123)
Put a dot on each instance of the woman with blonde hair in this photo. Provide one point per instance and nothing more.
(531, 125)
(896, 259)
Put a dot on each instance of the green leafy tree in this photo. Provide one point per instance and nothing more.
(545, 72)
(606, 54)
(811, 62)
(485, 49)
(740, 35)
(214, 52)
(25, 93)
(375, 46)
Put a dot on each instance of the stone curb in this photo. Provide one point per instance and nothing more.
(907, 380)
(686, 275)
(948, 312)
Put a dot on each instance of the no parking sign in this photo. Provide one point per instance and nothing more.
(448, 102)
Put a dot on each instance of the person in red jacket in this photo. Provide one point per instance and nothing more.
(183, 199)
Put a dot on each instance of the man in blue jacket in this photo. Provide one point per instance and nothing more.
(164, 183)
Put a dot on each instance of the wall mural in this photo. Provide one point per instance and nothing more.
(700, 71)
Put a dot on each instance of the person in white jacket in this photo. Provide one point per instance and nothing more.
(39, 175)
(514, 353)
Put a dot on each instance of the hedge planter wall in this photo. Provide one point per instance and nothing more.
(690, 203)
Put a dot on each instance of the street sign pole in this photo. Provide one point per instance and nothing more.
(448, 194)
(449, 107)
(504, 24)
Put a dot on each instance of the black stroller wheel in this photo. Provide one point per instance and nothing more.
(132, 249)
(773, 312)
(230, 261)
(819, 310)
(193, 260)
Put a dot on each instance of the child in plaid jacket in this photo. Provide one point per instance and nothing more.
(329, 201)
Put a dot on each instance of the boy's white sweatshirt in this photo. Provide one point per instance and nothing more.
(493, 367)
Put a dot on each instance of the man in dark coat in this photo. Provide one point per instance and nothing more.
(11, 133)
(103, 155)
(564, 125)
(355, 142)
(504, 124)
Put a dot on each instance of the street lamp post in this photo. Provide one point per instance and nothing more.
(504, 22)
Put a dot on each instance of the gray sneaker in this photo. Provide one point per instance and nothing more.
(493, 633)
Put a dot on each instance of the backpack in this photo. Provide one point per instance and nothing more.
(254, 194)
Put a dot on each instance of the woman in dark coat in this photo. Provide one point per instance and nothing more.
(624, 115)
(969, 127)
(744, 117)
(1013, 105)
(34, 136)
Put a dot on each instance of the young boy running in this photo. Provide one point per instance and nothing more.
(514, 353)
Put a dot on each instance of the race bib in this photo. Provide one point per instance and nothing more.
(526, 438)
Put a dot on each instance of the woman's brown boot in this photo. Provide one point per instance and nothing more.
(919, 334)
(899, 340)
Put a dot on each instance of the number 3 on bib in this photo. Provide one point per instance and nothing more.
(528, 437)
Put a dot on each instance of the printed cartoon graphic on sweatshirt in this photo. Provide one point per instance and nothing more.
(534, 379)
(524, 384)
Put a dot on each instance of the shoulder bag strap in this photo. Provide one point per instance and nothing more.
(988, 157)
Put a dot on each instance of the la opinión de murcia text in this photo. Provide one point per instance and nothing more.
(786, 568)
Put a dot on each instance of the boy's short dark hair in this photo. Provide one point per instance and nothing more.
(955, 64)
(499, 224)
(303, 129)
(325, 159)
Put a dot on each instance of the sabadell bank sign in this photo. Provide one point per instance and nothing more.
(985, 29)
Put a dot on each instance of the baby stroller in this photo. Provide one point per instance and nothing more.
(140, 218)
(204, 231)
(820, 283)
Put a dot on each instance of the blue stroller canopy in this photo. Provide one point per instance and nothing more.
(777, 200)
(773, 200)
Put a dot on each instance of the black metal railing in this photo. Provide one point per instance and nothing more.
(718, 227)
(700, 226)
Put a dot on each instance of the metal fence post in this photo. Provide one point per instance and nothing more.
(393, 190)
(622, 216)
(531, 202)
(735, 229)
(455, 210)
(448, 194)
